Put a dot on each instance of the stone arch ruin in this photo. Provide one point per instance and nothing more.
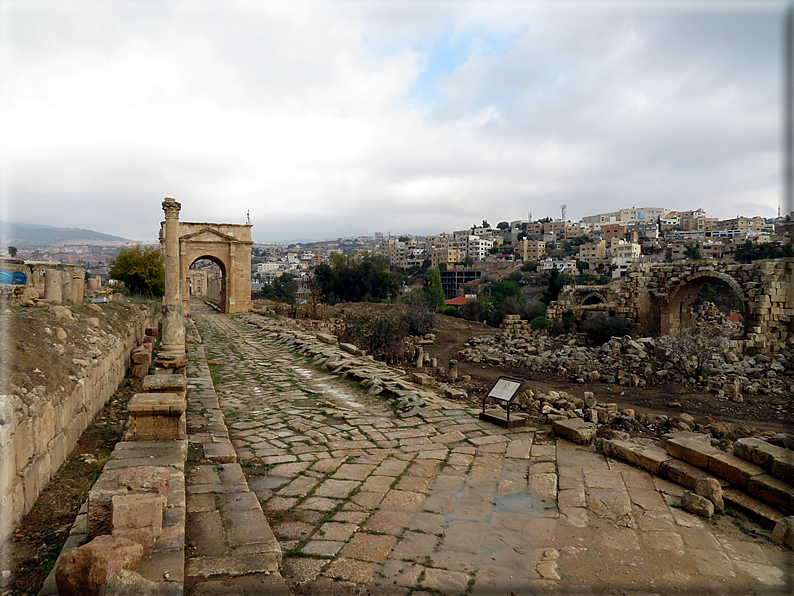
(658, 297)
(228, 246)
(676, 311)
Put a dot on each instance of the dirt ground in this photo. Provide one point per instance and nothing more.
(761, 412)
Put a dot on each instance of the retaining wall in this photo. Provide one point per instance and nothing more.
(35, 441)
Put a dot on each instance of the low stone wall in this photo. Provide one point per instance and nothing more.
(36, 440)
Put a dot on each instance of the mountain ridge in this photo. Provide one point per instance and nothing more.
(25, 235)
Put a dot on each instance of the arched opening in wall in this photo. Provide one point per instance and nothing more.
(710, 302)
(592, 300)
(206, 279)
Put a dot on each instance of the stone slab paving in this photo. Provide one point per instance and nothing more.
(231, 548)
(363, 501)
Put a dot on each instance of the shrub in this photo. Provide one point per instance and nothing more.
(416, 313)
(692, 350)
(536, 309)
(450, 311)
(472, 310)
(381, 333)
(510, 306)
(601, 329)
(540, 323)
(530, 266)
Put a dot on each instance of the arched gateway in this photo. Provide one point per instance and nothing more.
(228, 246)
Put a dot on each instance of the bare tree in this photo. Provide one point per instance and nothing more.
(692, 351)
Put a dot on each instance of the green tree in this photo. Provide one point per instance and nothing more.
(692, 251)
(141, 270)
(502, 290)
(503, 225)
(12, 250)
(433, 289)
(556, 282)
(530, 266)
(282, 289)
(468, 261)
(753, 251)
(351, 279)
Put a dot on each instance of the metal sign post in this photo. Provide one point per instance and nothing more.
(503, 393)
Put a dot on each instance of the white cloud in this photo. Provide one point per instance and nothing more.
(296, 111)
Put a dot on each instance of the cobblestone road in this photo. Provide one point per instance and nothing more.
(365, 502)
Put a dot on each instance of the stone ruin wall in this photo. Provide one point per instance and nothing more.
(649, 288)
(35, 441)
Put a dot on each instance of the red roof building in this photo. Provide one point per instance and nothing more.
(457, 301)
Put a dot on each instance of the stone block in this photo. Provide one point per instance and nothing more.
(139, 517)
(691, 451)
(141, 356)
(152, 332)
(697, 504)
(82, 571)
(758, 451)
(783, 467)
(157, 416)
(784, 532)
(642, 454)
(165, 383)
(129, 583)
(771, 490)
(712, 490)
(146, 478)
(139, 371)
(575, 430)
(733, 469)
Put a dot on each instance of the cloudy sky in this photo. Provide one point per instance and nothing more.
(340, 118)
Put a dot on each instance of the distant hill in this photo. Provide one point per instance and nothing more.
(22, 235)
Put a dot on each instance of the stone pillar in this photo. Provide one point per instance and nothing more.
(453, 369)
(231, 286)
(420, 357)
(53, 286)
(173, 343)
(66, 287)
(78, 288)
(93, 285)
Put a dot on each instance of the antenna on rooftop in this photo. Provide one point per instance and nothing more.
(529, 216)
(564, 209)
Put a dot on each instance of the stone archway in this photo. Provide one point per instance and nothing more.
(210, 287)
(676, 311)
(227, 245)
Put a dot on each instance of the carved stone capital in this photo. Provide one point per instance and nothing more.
(171, 208)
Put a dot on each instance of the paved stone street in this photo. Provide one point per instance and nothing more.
(364, 501)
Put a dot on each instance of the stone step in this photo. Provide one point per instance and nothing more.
(778, 461)
(759, 512)
(742, 472)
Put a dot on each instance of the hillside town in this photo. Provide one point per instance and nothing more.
(607, 243)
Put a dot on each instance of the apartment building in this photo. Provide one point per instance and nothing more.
(624, 252)
(445, 255)
(531, 250)
(594, 251)
(594, 223)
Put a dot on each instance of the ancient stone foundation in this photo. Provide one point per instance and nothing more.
(35, 441)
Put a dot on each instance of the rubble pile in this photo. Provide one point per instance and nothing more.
(633, 362)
